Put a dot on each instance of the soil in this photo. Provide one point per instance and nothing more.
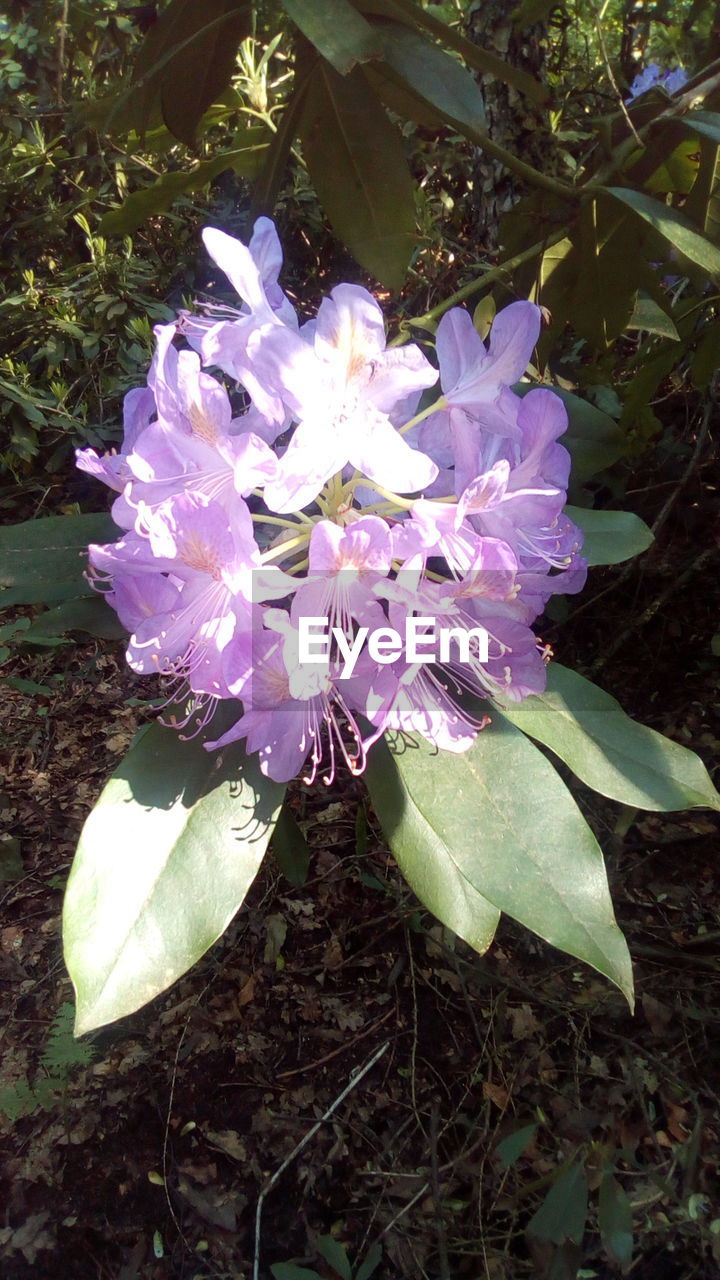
(141, 1154)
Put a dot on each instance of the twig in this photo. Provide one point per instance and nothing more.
(343, 1048)
(698, 563)
(694, 459)
(355, 1078)
(443, 1261)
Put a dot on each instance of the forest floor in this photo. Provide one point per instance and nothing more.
(140, 1154)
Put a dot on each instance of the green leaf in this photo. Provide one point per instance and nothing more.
(608, 751)
(370, 1262)
(159, 196)
(91, 614)
(650, 317)
(268, 182)
(434, 77)
(334, 1254)
(185, 62)
(291, 848)
(704, 123)
(511, 1148)
(423, 857)
(563, 1212)
(609, 271)
(674, 226)
(290, 1271)
(38, 558)
(593, 439)
(610, 536)
(499, 817)
(357, 166)
(615, 1221)
(165, 860)
(474, 55)
(337, 31)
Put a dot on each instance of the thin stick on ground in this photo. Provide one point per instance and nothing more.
(355, 1078)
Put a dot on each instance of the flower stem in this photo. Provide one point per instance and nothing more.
(440, 403)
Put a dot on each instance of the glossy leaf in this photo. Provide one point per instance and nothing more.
(165, 860)
(159, 196)
(268, 182)
(337, 31)
(514, 1145)
(611, 536)
(41, 558)
(674, 226)
(438, 80)
(649, 316)
(473, 55)
(615, 1221)
(607, 750)
(433, 876)
(186, 61)
(563, 1212)
(89, 614)
(609, 272)
(291, 848)
(357, 166)
(704, 123)
(499, 817)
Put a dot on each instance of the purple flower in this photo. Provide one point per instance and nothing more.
(327, 498)
(651, 76)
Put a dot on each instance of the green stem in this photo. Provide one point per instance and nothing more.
(500, 272)
(440, 403)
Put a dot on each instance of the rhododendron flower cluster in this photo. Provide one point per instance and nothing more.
(323, 490)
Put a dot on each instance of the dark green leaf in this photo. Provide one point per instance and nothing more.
(607, 750)
(334, 1254)
(86, 613)
(674, 226)
(611, 536)
(40, 558)
(615, 1221)
(185, 62)
(422, 855)
(267, 184)
(357, 166)
(11, 863)
(159, 196)
(511, 1148)
(650, 317)
(370, 1263)
(290, 1271)
(290, 848)
(165, 860)
(438, 80)
(704, 123)
(337, 31)
(481, 59)
(563, 1212)
(499, 817)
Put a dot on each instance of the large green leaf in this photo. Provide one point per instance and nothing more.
(337, 31)
(610, 269)
(499, 817)
(85, 613)
(451, 37)
(165, 859)
(433, 877)
(607, 750)
(185, 62)
(45, 560)
(357, 166)
(674, 226)
(438, 80)
(159, 196)
(610, 536)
